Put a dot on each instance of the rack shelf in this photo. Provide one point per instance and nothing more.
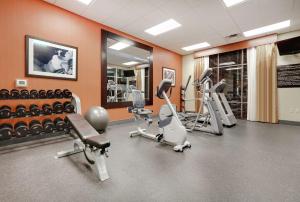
(13, 103)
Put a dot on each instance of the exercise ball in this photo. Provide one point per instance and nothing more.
(98, 117)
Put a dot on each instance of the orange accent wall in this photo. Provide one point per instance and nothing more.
(43, 20)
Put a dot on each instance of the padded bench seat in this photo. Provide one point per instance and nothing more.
(144, 111)
(87, 133)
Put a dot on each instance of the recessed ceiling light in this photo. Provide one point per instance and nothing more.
(119, 46)
(163, 27)
(230, 3)
(196, 46)
(268, 28)
(86, 2)
(130, 63)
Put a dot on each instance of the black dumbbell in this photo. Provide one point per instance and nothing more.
(24, 94)
(35, 127)
(58, 108)
(6, 131)
(15, 94)
(68, 126)
(21, 111)
(47, 110)
(4, 94)
(66, 93)
(34, 110)
(42, 94)
(48, 126)
(60, 125)
(34, 94)
(5, 112)
(58, 93)
(21, 129)
(50, 94)
(68, 107)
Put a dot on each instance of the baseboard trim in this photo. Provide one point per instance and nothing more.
(294, 123)
(119, 122)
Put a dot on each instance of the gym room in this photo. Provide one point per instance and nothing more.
(150, 100)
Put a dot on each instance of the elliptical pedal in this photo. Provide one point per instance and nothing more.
(159, 137)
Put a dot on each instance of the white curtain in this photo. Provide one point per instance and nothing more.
(251, 68)
(206, 62)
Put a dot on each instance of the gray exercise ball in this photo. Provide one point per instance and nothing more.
(98, 117)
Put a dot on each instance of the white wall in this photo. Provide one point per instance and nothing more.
(187, 70)
(289, 98)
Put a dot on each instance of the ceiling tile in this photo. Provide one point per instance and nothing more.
(101, 10)
(257, 13)
(201, 20)
(72, 5)
(214, 12)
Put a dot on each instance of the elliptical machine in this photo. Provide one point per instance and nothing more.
(224, 108)
(207, 118)
(171, 130)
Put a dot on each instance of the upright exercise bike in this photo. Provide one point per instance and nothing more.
(171, 130)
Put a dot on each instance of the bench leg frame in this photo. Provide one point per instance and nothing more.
(98, 155)
(101, 165)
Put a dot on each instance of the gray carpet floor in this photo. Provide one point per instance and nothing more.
(250, 162)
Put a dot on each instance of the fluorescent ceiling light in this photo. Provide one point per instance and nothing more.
(196, 46)
(119, 46)
(86, 2)
(268, 28)
(130, 63)
(230, 3)
(163, 27)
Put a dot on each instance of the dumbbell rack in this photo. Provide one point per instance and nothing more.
(27, 102)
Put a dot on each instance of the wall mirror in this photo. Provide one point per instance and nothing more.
(126, 65)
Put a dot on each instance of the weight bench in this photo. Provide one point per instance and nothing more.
(89, 139)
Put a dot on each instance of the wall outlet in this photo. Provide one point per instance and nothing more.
(297, 110)
(21, 83)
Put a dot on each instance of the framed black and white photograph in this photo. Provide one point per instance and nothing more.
(168, 73)
(50, 60)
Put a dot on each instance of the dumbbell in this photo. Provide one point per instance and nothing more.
(58, 108)
(68, 107)
(60, 125)
(34, 110)
(66, 93)
(35, 127)
(14, 94)
(6, 131)
(47, 110)
(34, 94)
(42, 94)
(5, 112)
(4, 94)
(21, 111)
(24, 94)
(50, 94)
(48, 126)
(58, 93)
(68, 125)
(21, 129)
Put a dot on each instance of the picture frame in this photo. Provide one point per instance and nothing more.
(52, 60)
(169, 73)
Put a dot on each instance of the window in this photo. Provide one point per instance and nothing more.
(232, 66)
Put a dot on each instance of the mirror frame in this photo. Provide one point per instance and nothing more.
(104, 36)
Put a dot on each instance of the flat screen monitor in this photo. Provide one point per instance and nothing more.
(129, 73)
